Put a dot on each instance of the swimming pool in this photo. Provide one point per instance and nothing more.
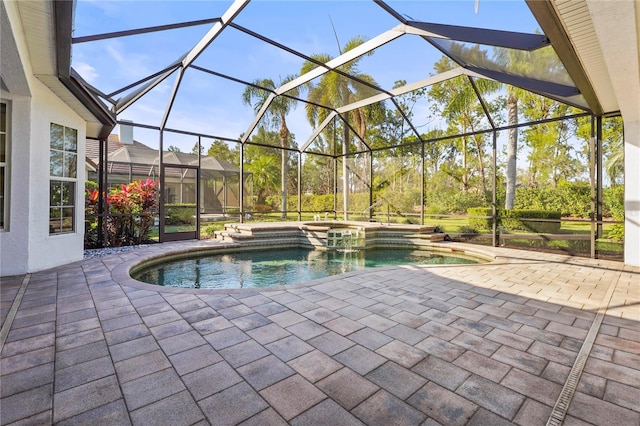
(265, 268)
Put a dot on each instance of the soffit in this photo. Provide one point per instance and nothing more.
(617, 26)
(579, 27)
(13, 79)
(37, 22)
(54, 84)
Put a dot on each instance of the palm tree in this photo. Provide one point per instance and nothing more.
(513, 59)
(335, 90)
(519, 62)
(612, 146)
(276, 117)
(614, 149)
(458, 103)
(512, 147)
(263, 169)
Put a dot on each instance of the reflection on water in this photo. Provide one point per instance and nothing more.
(279, 267)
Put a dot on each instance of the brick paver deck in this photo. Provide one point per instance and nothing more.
(486, 344)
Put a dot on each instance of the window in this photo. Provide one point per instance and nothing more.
(63, 161)
(4, 164)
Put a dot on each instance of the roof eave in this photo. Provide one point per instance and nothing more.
(552, 26)
(63, 18)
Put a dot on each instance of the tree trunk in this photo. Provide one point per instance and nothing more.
(533, 172)
(361, 126)
(465, 173)
(512, 149)
(283, 184)
(483, 177)
(345, 171)
(284, 135)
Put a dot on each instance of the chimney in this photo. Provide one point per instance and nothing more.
(126, 132)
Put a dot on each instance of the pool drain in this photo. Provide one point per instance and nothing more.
(8, 322)
(569, 389)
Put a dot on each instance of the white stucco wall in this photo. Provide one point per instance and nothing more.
(46, 250)
(14, 240)
(617, 26)
(632, 193)
(26, 245)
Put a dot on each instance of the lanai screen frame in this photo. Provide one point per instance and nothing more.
(581, 95)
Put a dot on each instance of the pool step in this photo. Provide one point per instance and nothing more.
(314, 235)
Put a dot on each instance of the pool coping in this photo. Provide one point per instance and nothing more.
(121, 273)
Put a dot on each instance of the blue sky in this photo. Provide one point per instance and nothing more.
(211, 105)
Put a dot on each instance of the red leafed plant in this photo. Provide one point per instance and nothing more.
(131, 210)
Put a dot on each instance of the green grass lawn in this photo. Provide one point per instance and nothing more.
(455, 225)
(461, 225)
(451, 225)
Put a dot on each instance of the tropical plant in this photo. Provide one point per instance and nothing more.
(264, 171)
(614, 203)
(612, 144)
(457, 101)
(512, 147)
(515, 61)
(334, 90)
(317, 172)
(131, 211)
(552, 155)
(275, 116)
(398, 168)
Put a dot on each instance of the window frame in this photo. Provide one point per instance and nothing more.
(5, 180)
(66, 177)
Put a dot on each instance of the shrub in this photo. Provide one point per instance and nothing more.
(90, 185)
(579, 246)
(480, 223)
(616, 232)
(613, 200)
(132, 209)
(310, 202)
(467, 230)
(517, 220)
(209, 231)
(570, 198)
(179, 214)
(90, 214)
(461, 201)
(262, 208)
(525, 220)
(433, 209)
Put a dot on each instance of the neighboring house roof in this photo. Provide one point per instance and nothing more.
(113, 144)
(140, 159)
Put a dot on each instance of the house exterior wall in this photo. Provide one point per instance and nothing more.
(617, 26)
(26, 246)
(632, 192)
(14, 240)
(47, 250)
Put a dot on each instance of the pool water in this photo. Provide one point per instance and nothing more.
(279, 267)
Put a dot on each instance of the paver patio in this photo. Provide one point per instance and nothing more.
(453, 345)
